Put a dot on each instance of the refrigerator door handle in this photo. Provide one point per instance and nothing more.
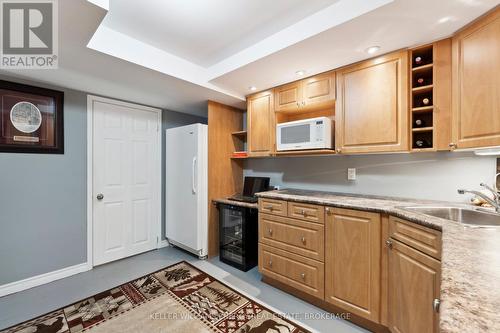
(193, 187)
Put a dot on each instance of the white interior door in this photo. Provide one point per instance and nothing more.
(126, 177)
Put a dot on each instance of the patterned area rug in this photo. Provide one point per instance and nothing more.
(179, 298)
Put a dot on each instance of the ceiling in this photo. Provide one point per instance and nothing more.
(206, 32)
(178, 54)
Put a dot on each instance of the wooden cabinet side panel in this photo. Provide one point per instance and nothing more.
(225, 176)
(352, 258)
(442, 94)
(476, 83)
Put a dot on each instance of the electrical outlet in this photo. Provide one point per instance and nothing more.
(351, 174)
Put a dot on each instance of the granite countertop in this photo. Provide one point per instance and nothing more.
(236, 203)
(470, 272)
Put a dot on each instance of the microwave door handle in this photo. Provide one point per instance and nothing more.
(193, 179)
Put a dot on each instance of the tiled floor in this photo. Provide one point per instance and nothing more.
(31, 303)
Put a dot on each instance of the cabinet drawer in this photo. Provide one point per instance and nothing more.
(419, 237)
(270, 206)
(298, 272)
(303, 238)
(306, 212)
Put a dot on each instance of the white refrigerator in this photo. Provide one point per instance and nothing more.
(186, 187)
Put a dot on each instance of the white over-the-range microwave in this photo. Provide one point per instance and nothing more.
(313, 133)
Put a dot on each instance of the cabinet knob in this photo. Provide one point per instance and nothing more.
(303, 213)
(435, 304)
(303, 239)
(303, 276)
(328, 211)
(338, 151)
(453, 145)
(270, 263)
(304, 103)
(389, 243)
(298, 104)
(100, 196)
(270, 232)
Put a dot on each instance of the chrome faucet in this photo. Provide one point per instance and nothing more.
(495, 202)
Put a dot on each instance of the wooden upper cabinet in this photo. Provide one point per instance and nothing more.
(260, 124)
(372, 105)
(318, 89)
(352, 261)
(476, 84)
(288, 97)
(310, 93)
(414, 283)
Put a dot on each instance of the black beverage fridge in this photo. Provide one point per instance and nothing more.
(238, 236)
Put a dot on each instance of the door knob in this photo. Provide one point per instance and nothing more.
(100, 196)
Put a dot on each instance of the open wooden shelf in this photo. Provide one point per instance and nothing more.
(421, 68)
(422, 129)
(306, 152)
(240, 134)
(423, 109)
(423, 88)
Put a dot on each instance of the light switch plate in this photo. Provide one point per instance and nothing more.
(351, 174)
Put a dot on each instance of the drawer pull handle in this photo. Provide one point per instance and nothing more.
(269, 208)
(435, 304)
(303, 213)
(270, 232)
(303, 276)
(303, 239)
(270, 263)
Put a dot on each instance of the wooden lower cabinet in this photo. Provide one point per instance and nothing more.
(352, 261)
(414, 282)
(383, 270)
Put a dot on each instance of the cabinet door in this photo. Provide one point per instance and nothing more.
(372, 112)
(260, 124)
(476, 84)
(414, 280)
(288, 97)
(352, 261)
(319, 89)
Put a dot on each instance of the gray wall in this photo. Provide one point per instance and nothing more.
(43, 202)
(43, 216)
(434, 176)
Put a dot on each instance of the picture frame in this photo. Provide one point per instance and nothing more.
(31, 119)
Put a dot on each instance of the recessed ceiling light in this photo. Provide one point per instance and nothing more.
(372, 49)
(252, 88)
(444, 19)
(300, 73)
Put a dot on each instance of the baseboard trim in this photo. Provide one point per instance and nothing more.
(34, 281)
(163, 243)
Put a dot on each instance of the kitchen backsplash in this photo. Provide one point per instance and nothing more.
(434, 176)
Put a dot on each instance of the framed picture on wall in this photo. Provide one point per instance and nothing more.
(31, 119)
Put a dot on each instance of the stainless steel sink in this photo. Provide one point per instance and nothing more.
(472, 217)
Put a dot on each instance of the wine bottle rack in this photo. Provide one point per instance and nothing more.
(422, 98)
